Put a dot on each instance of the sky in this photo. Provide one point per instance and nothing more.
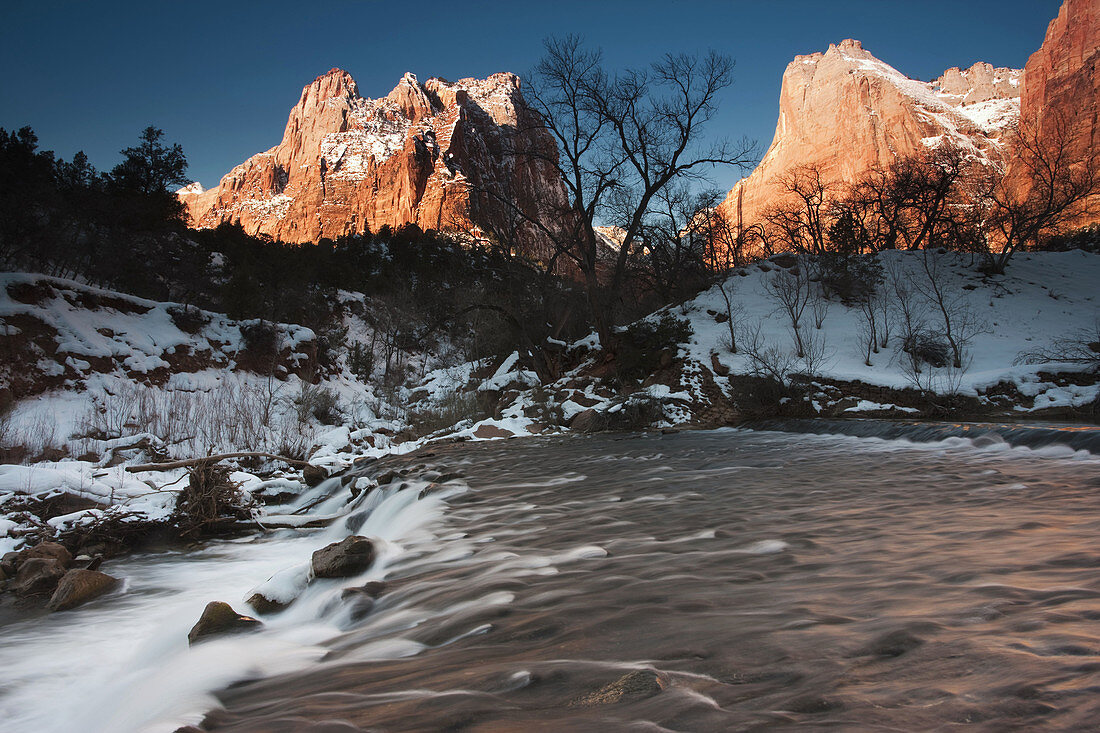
(220, 77)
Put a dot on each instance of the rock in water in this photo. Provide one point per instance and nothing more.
(585, 422)
(80, 586)
(263, 604)
(350, 556)
(36, 576)
(47, 550)
(313, 475)
(219, 618)
(636, 685)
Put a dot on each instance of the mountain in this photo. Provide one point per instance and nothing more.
(1062, 83)
(845, 111)
(424, 154)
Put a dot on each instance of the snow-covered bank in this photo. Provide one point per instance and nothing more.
(1042, 296)
(121, 393)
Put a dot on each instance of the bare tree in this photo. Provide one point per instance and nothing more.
(673, 248)
(765, 359)
(791, 290)
(908, 204)
(801, 223)
(1079, 347)
(621, 141)
(957, 322)
(817, 353)
(1047, 188)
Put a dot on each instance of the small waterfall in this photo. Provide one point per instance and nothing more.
(125, 665)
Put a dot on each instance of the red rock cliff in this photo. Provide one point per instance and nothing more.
(1062, 84)
(347, 163)
(845, 111)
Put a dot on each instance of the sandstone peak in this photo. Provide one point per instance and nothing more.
(852, 48)
(845, 111)
(347, 164)
(191, 189)
(411, 98)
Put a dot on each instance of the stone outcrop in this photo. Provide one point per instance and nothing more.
(345, 558)
(1062, 85)
(219, 618)
(845, 111)
(78, 586)
(347, 164)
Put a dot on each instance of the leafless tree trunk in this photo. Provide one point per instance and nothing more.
(622, 140)
(791, 291)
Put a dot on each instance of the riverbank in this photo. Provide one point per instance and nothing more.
(699, 580)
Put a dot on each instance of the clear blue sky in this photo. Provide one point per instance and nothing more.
(220, 77)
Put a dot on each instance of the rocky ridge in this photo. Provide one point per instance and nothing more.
(1062, 84)
(421, 155)
(845, 111)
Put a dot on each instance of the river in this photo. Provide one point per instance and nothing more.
(697, 581)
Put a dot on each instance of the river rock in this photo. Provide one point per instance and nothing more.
(385, 477)
(350, 556)
(80, 586)
(7, 564)
(584, 422)
(38, 575)
(489, 431)
(636, 685)
(262, 604)
(46, 550)
(219, 618)
(313, 475)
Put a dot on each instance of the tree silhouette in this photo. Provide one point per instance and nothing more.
(151, 166)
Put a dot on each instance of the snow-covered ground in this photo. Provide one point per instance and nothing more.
(1042, 296)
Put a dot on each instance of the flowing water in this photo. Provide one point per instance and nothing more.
(725, 580)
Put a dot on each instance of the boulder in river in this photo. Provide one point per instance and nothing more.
(37, 576)
(46, 550)
(262, 604)
(636, 685)
(585, 422)
(313, 475)
(80, 586)
(219, 618)
(345, 558)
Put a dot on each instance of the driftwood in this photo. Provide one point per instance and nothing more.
(212, 459)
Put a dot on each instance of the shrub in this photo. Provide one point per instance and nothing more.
(361, 360)
(1079, 347)
(318, 402)
(639, 347)
(544, 409)
(1086, 239)
(925, 347)
(329, 344)
(187, 319)
(760, 396)
(851, 278)
(453, 409)
(636, 412)
(261, 338)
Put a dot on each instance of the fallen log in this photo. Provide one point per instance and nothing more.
(212, 459)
